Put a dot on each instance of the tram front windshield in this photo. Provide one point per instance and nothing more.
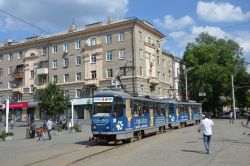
(102, 109)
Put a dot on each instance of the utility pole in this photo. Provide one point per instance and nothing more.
(186, 85)
(7, 115)
(232, 78)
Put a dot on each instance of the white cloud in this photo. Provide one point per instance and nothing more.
(221, 12)
(169, 22)
(214, 31)
(57, 15)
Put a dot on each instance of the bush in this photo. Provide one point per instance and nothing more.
(4, 134)
(77, 128)
(58, 129)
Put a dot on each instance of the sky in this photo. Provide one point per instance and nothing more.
(180, 20)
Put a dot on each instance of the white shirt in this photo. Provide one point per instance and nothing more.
(49, 125)
(206, 126)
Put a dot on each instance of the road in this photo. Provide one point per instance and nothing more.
(230, 147)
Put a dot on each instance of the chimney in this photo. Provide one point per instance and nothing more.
(72, 27)
(110, 19)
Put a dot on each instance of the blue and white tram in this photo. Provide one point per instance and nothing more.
(119, 116)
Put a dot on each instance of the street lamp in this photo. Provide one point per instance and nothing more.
(187, 70)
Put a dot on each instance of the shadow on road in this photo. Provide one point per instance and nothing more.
(194, 151)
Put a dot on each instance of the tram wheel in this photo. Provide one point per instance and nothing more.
(139, 135)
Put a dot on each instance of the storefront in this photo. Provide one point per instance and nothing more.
(82, 108)
(16, 111)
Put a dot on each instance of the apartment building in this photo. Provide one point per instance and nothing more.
(81, 60)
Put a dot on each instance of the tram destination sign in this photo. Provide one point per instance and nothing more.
(103, 99)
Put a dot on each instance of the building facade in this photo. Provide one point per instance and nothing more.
(81, 60)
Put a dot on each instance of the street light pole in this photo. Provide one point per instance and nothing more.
(7, 114)
(186, 70)
(232, 78)
(186, 85)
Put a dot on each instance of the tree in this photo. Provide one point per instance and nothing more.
(53, 101)
(214, 61)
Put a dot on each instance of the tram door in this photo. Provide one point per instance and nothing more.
(172, 113)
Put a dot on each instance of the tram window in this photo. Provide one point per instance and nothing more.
(102, 109)
(163, 109)
(118, 107)
(145, 109)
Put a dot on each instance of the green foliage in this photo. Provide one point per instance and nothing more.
(53, 101)
(214, 61)
(58, 129)
(77, 128)
(3, 134)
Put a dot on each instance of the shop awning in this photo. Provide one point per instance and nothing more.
(84, 101)
(17, 105)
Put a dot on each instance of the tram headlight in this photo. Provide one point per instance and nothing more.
(94, 127)
(107, 127)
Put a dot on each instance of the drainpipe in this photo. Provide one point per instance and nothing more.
(133, 61)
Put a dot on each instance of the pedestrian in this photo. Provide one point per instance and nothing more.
(11, 123)
(41, 134)
(206, 128)
(248, 118)
(49, 128)
(231, 117)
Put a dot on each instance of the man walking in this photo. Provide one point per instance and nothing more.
(206, 127)
(231, 116)
(248, 118)
(49, 128)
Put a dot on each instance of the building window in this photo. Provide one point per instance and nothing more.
(159, 76)
(93, 58)
(140, 54)
(66, 77)
(158, 60)
(66, 93)
(78, 60)
(78, 76)
(54, 49)
(19, 97)
(66, 62)
(65, 47)
(142, 89)
(1, 72)
(10, 84)
(109, 73)
(149, 40)
(10, 71)
(1, 85)
(109, 39)
(141, 71)
(78, 93)
(164, 63)
(20, 55)
(55, 64)
(10, 57)
(109, 56)
(31, 89)
(93, 42)
(32, 75)
(44, 51)
(78, 44)
(55, 78)
(123, 71)
(1, 58)
(122, 54)
(121, 36)
(140, 35)
(163, 77)
(42, 80)
(93, 74)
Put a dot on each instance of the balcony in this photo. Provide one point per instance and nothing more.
(91, 47)
(40, 87)
(42, 71)
(153, 81)
(93, 82)
(19, 74)
(17, 89)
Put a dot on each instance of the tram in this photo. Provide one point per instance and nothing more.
(118, 116)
